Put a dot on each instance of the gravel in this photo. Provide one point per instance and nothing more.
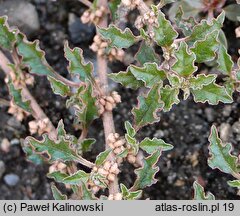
(11, 179)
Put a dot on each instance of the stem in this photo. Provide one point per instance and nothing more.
(86, 3)
(66, 81)
(107, 116)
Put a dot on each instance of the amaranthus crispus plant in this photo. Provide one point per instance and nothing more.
(167, 77)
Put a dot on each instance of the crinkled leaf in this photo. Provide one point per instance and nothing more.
(205, 50)
(88, 110)
(169, 96)
(76, 178)
(33, 57)
(7, 36)
(174, 80)
(86, 144)
(199, 193)
(87, 194)
(164, 32)
(113, 6)
(59, 87)
(201, 80)
(196, 3)
(133, 143)
(129, 128)
(17, 97)
(146, 53)
(57, 176)
(212, 93)
(232, 12)
(205, 28)
(118, 38)
(146, 174)
(234, 183)
(220, 154)
(126, 79)
(57, 195)
(130, 195)
(145, 112)
(32, 156)
(102, 157)
(77, 65)
(225, 63)
(150, 74)
(152, 145)
(184, 65)
(56, 150)
(186, 25)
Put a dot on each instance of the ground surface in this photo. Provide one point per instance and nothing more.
(187, 126)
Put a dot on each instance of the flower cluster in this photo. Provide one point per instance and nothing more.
(17, 112)
(131, 3)
(99, 46)
(58, 166)
(117, 196)
(39, 126)
(20, 79)
(93, 16)
(107, 103)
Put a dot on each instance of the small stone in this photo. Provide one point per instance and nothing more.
(11, 179)
(15, 141)
(209, 112)
(5, 145)
(2, 168)
(225, 131)
(227, 110)
(236, 127)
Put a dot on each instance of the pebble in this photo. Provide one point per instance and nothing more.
(21, 14)
(236, 127)
(209, 112)
(5, 145)
(11, 179)
(2, 168)
(225, 131)
(15, 141)
(227, 110)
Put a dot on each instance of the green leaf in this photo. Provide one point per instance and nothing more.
(76, 178)
(150, 74)
(205, 49)
(145, 112)
(130, 195)
(205, 28)
(234, 183)
(129, 128)
(86, 144)
(57, 176)
(162, 3)
(77, 65)
(146, 53)
(146, 174)
(7, 35)
(196, 3)
(152, 145)
(33, 57)
(225, 63)
(133, 143)
(102, 157)
(87, 194)
(169, 96)
(164, 33)
(174, 80)
(113, 6)
(212, 93)
(57, 195)
(201, 80)
(126, 79)
(88, 110)
(56, 150)
(232, 12)
(17, 97)
(31, 155)
(199, 193)
(220, 155)
(118, 38)
(59, 87)
(184, 65)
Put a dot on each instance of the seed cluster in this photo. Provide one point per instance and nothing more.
(109, 170)
(93, 16)
(99, 46)
(131, 3)
(117, 196)
(20, 79)
(107, 103)
(39, 126)
(58, 166)
(17, 112)
(119, 144)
